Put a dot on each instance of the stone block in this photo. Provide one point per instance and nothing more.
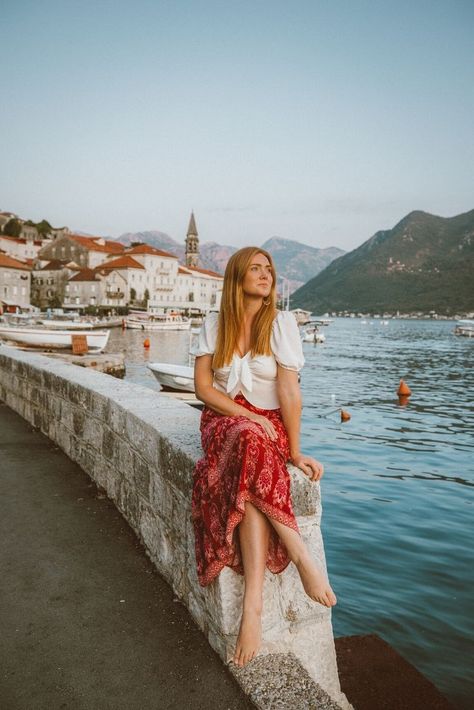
(305, 494)
(143, 439)
(278, 681)
(141, 476)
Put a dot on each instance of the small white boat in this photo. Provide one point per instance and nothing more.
(312, 334)
(302, 316)
(324, 320)
(47, 339)
(157, 321)
(177, 378)
(65, 324)
(465, 327)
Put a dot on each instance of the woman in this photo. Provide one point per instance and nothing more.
(246, 373)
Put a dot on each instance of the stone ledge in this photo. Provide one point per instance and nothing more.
(141, 448)
(277, 681)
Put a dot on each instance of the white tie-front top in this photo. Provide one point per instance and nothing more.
(255, 376)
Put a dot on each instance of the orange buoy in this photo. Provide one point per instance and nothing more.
(403, 389)
(345, 416)
(146, 343)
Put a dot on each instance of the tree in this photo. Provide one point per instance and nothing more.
(133, 294)
(146, 296)
(54, 301)
(12, 228)
(44, 227)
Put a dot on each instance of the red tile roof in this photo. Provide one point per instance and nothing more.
(54, 265)
(184, 270)
(85, 275)
(9, 262)
(147, 249)
(123, 262)
(20, 240)
(205, 271)
(110, 247)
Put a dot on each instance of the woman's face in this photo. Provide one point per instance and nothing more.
(258, 278)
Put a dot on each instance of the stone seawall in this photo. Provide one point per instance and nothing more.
(141, 448)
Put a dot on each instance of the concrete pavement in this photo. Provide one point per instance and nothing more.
(86, 622)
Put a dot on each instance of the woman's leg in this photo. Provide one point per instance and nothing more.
(314, 582)
(254, 536)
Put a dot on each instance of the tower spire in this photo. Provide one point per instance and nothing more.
(192, 243)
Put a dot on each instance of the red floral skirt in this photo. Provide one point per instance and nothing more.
(240, 463)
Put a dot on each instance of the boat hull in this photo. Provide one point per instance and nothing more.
(174, 378)
(44, 339)
(137, 325)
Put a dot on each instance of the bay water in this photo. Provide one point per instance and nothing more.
(398, 489)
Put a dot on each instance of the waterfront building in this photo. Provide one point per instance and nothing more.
(86, 288)
(48, 282)
(20, 247)
(15, 281)
(85, 251)
(161, 270)
(197, 290)
(124, 282)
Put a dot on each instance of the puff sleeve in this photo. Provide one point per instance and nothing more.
(286, 342)
(206, 341)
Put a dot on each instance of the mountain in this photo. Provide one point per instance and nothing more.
(159, 240)
(211, 255)
(297, 262)
(424, 263)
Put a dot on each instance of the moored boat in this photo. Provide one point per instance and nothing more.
(312, 334)
(465, 327)
(65, 324)
(142, 320)
(49, 339)
(176, 378)
(302, 316)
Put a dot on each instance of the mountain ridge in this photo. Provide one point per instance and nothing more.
(294, 260)
(424, 263)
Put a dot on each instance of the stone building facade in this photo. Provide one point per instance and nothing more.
(15, 283)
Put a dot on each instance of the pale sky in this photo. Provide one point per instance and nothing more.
(321, 121)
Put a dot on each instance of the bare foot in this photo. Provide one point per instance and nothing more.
(314, 582)
(249, 638)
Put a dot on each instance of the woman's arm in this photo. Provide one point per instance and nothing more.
(220, 402)
(289, 397)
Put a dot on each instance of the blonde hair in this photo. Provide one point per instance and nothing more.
(231, 314)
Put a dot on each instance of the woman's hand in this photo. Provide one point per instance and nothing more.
(266, 424)
(312, 468)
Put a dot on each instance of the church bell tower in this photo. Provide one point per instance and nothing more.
(192, 243)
